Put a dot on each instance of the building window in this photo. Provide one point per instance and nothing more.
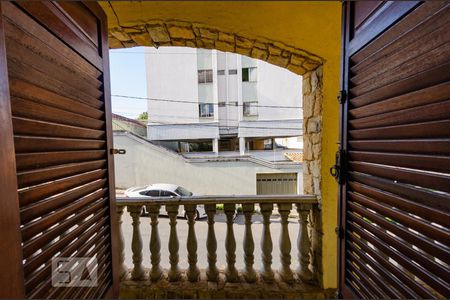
(249, 74)
(232, 72)
(206, 110)
(220, 72)
(222, 104)
(268, 144)
(250, 109)
(205, 76)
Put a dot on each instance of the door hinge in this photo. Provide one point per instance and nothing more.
(339, 169)
(342, 97)
(339, 232)
(118, 151)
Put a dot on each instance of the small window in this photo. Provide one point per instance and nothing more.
(205, 76)
(220, 72)
(206, 110)
(182, 191)
(232, 72)
(222, 104)
(249, 74)
(152, 193)
(250, 109)
(167, 194)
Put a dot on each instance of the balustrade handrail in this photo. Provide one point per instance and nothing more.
(304, 204)
(232, 199)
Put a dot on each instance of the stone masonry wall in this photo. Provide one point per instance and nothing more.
(312, 124)
(178, 33)
(312, 150)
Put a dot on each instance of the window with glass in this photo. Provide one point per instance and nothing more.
(232, 72)
(220, 72)
(268, 144)
(151, 193)
(250, 109)
(206, 110)
(167, 194)
(182, 191)
(249, 74)
(205, 76)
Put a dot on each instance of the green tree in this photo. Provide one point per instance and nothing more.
(143, 116)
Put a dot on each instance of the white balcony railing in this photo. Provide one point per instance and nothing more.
(284, 204)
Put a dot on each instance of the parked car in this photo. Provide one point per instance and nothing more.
(164, 190)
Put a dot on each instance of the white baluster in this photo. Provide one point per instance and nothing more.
(266, 243)
(155, 243)
(121, 244)
(230, 244)
(174, 272)
(285, 243)
(304, 243)
(211, 244)
(249, 245)
(193, 272)
(136, 243)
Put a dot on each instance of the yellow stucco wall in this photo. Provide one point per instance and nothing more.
(330, 137)
(311, 26)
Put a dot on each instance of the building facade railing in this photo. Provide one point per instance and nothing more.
(304, 204)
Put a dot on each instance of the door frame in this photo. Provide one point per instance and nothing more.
(11, 275)
(95, 8)
(343, 291)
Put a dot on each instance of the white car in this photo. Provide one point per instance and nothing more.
(164, 190)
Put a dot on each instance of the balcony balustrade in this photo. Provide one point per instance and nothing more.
(213, 281)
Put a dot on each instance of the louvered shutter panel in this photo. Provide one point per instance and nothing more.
(396, 208)
(56, 54)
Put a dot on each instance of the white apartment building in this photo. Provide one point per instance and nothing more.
(231, 101)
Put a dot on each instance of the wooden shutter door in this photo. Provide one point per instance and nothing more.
(395, 199)
(57, 62)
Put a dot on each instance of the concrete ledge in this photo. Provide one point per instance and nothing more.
(203, 289)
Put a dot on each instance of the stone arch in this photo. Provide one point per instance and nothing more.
(158, 33)
(179, 33)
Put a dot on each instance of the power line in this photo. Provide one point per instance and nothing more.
(218, 125)
(193, 118)
(196, 102)
(178, 117)
(181, 118)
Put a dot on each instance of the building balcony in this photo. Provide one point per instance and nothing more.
(209, 129)
(275, 159)
(292, 274)
(179, 132)
(271, 128)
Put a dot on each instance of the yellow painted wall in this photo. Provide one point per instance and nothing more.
(330, 137)
(312, 26)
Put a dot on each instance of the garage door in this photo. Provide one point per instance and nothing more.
(276, 184)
